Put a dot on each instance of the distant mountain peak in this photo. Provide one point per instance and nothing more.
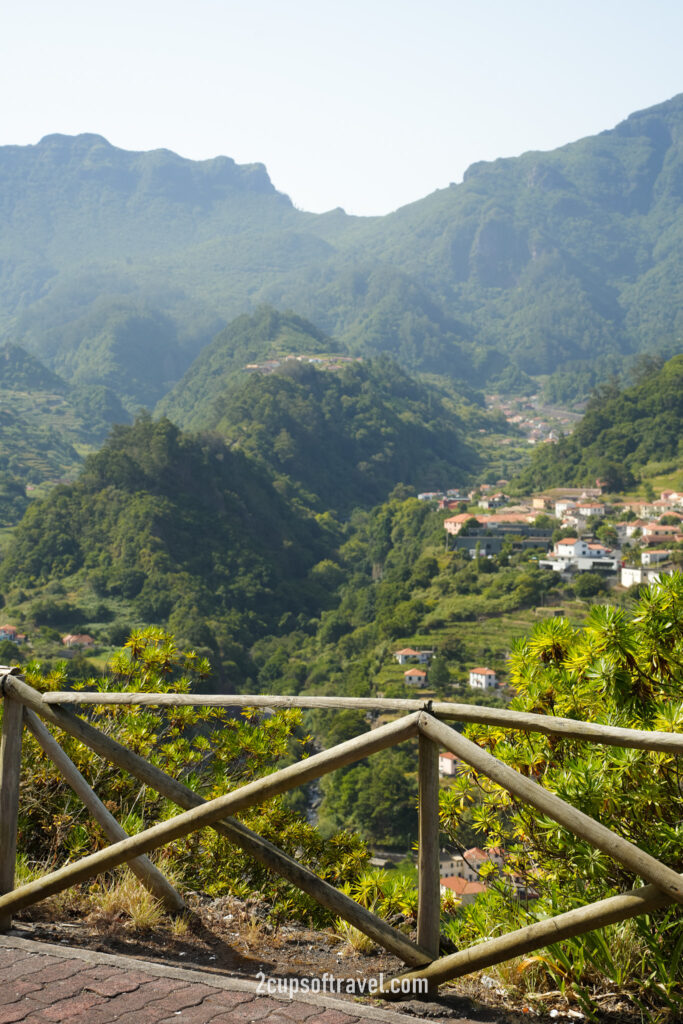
(187, 180)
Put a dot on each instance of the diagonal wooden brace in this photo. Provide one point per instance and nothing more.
(150, 876)
(582, 825)
(263, 851)
(542, 933)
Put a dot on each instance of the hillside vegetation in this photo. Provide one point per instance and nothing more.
(342, 434)
(623, 430)
(46, 426)
(558, 263)
(161, 527)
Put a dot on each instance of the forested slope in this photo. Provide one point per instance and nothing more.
(164, 528)
(623, 429)
(342, 432)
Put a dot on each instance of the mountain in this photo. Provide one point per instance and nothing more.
(623, 429)
(339, 431)
(162, 527)
(257, 338)
(560, 263)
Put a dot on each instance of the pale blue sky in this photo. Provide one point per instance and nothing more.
(366, 105)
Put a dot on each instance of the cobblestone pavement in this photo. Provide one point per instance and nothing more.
(42, 983)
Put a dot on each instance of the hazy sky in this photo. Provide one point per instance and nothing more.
(365, 104)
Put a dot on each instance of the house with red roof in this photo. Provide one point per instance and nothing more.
(78, 640)
(409, 654)
(448, 763)
(8, 632)
(467, 892)
(415, 677)
(483, 678)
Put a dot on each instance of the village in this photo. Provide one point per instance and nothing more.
(629, 542)
(569, 531)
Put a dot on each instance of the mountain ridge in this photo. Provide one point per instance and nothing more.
(556, 262)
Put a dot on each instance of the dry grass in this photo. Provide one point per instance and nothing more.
(60, 905)
(253, 933)
(126, 897)
(180, 926)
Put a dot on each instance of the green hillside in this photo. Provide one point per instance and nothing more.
(342, 432)
(118, 267)
(264, 335)
(622, 431)
(164, 528)
(46, 426)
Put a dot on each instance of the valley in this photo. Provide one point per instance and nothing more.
(246, 449)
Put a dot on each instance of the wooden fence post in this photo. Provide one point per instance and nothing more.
(10, 771)
(429, 893)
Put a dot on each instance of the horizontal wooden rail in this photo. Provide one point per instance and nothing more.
(569, 728)
(420, 718)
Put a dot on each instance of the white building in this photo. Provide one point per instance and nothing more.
(482, 678)
(415, 677)
(652, 557)
(407, 654)
(581, 555)
(632, 575)
(448, 764)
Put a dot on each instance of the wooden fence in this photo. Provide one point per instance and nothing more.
(25, 706)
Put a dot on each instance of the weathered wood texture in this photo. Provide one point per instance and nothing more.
(569, 728)
(150, 875)
(582, 825)
(666, 884)
(257, 847)
(208, 813)
(429, 894)
(535, 936)
(10, 772)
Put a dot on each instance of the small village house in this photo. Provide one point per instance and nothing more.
(467, 892)
(448, 763)
(482, 678)
(8, 632)
(81, 640)
(407, 654)
(415, 677)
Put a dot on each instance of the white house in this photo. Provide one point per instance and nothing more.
(590, 508)
(415, 677)
(405, 654)
(653, 556)
(641, 574)
(581, 555)
(467, 892)
(572, 547)
(482, 678)
(448, 764)
(468, 866)
(409, 654)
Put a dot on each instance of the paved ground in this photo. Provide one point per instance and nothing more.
(42, 983)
